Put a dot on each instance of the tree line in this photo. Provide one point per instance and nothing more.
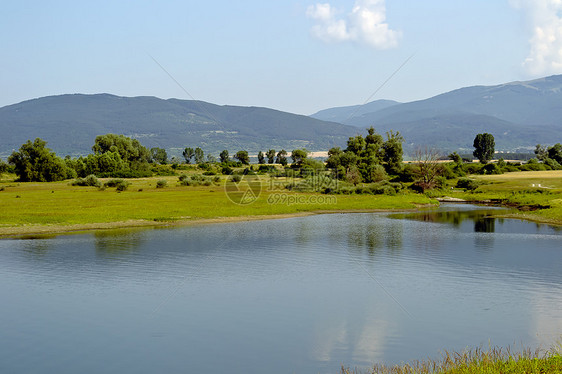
(366, 159)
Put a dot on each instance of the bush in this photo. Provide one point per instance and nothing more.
(468, 184)
(90, 181)
(161, 183)
(491, 169)
(473, 168)
(122, 186)
(236, 178)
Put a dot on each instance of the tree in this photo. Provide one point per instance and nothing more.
(541, 152)
(199, 155)
(243, 157)
(353, 175)
(393, 152)
(159, 155)
(427, 168)
(281, 157)
(4, 167)
(130, 150)
(188, 154)
(34, 162)
(298, 156)
(224, 156)
(555, 152)
(484, 145)
(261, 158)
(455, 157)
(334, 158)
(270, 156)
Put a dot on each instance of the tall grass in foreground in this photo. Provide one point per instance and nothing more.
(492, 361)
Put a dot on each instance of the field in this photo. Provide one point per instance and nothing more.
(34, 208)
(30, 208)
(531, 190)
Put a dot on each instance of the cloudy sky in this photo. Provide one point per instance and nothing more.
(297, 56)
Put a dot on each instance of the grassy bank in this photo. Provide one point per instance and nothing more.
(28, 208)
(492, 361)
(537, 193)
(43, 207)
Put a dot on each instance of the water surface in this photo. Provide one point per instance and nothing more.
(299, 295)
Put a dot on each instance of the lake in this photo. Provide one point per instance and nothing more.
(298, 295)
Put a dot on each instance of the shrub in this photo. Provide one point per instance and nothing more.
(90, 181)
(491, 169)
(122, 186)
(236, 178)
(161, 183)
(468, 184)
(113, 182)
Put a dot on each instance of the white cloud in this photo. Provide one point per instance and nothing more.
(545, 18)
(366, 23)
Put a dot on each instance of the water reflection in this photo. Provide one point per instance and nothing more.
(481, 217)
(116, 243)
(294, 295)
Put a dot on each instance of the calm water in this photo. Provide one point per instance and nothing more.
(301, 295)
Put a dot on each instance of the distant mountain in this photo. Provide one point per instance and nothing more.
(345, 113)
(518, 114)
(70, 123)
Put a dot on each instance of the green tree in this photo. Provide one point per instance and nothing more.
(281, 157)
(455, 157)
(188, 154)
(199, 155)
(224, 156)
(393, 152)
(270, 156)
(356, 145)
(159, 155)
(555, 153)
(243, 157)
(298, 156)
(4, 167)
(541, 152)
(334, 158)
(261, 158)
(484, 145)
(34, 162)
(130, 150)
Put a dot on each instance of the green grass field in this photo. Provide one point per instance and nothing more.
(528, 188)
(59, 203)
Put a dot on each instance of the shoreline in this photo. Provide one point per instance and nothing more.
(32, 231)
(48, 230)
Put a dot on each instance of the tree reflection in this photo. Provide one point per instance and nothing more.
(482, 218)
(114, 243)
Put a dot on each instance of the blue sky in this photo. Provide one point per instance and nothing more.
(297, 56)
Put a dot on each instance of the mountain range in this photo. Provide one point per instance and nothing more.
(70, 123)
(518, 114)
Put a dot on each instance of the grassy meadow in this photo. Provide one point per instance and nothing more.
(538, 193)
(39, 207)
(35, 207)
